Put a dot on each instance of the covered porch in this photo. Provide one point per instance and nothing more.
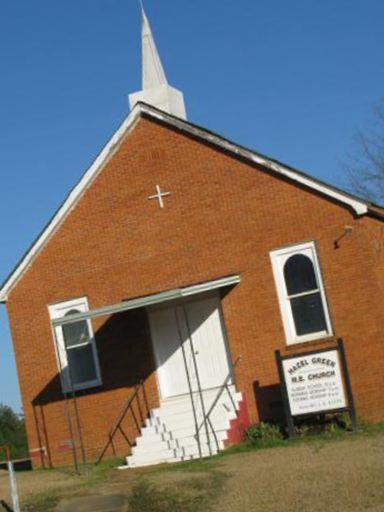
(194, 374)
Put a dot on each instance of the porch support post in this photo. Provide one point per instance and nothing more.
(66, 405)
(189, 384)
(72, 392)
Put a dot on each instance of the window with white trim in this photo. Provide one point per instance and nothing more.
(301, 293)
(76, 348)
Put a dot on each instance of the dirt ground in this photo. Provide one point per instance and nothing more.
(344, 475)
(31, 483)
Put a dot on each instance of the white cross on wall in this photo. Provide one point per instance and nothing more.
(159, 196)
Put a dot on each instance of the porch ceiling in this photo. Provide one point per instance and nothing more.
(149, 300)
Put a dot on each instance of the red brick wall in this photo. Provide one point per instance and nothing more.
(223, 217)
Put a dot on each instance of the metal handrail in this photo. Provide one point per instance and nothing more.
(117, 426)
(223, 387)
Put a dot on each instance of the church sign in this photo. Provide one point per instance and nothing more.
(315, 383)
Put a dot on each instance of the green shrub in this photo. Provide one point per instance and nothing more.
(331, 424)
(264, 432)
(303, 430)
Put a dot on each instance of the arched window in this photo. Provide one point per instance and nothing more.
(301, 293)
(304, 295)
(77, 351)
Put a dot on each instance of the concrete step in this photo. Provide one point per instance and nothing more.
(184, 442)
(157, 455)
(182, 431)
(152, 441)
(170, 432)
(150, 435)
(178, 421)
(183, 404)
(161, 456)
(132, 463)
(220, 407)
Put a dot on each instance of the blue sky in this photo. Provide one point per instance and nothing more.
(294, 80)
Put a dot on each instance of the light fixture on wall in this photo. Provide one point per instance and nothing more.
(347, 230)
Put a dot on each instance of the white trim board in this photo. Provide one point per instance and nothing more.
(150, 300)
(278, 259)
(57, 311)
(359, 206)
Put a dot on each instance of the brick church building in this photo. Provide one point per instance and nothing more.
(146, 315)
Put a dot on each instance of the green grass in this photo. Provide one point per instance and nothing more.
(191, 495)
(41, 502)
(338, 434)
(100, 473)
(203, 481)
(89, 476)
(191, 466)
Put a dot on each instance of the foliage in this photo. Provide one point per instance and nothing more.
(365, 168)
(262, 432)
(12, 433)
(332, 424)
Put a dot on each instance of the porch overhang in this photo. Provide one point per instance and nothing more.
(149, 300)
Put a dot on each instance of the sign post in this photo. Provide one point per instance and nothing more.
(13, 487)
(12, 480)
(315, 383)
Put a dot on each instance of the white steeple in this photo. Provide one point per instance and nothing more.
(156, 90)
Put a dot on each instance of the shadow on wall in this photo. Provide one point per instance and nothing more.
(269, 402)
(126, 359)
(125, 356)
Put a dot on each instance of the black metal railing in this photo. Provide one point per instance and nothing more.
(207, 416)
(138, 419)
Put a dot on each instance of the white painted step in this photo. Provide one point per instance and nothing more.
(184, 442)
(220, 409)
(178, 404)
(152, 441)
(169, 434)
(178, 421)
(166, 433)
(161, 456)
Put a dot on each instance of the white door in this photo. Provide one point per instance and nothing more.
(169, 327)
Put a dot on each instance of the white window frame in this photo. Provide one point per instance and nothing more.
(278, 260)
(58, 311)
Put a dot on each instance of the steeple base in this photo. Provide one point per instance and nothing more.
(162, 97)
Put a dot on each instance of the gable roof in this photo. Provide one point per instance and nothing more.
(357, 205)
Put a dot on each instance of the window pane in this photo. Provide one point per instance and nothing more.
(82, 364)
(299, 274)
(308, 314)
(75, 333)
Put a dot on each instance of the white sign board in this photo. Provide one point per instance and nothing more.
(314, 382)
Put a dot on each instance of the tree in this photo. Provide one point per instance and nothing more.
(12, 432)
(366, 168)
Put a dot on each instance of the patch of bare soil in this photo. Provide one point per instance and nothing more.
(345, 476)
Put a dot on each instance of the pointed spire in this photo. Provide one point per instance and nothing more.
(156, 90)
(153, 72)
